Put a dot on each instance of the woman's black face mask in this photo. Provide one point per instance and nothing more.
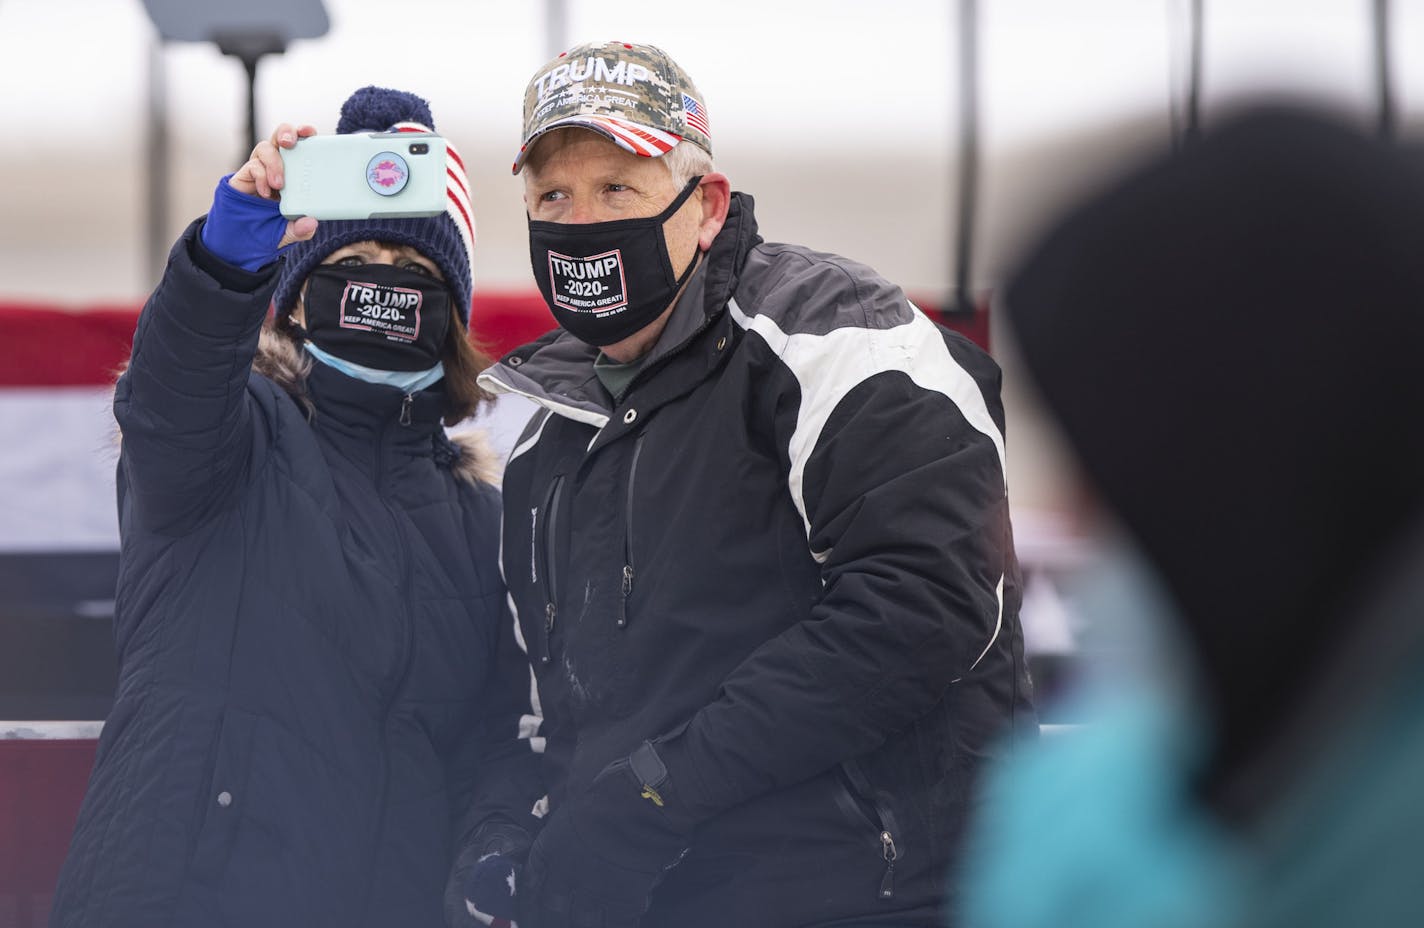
(378, 316)
(604, 281)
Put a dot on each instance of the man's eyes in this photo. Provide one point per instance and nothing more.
(552, 195)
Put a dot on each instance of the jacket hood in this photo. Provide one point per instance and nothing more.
(469, 455)
(1229, 336)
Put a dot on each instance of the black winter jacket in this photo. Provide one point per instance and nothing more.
(786, 553)
(316, 675)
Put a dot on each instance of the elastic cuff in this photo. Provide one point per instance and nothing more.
(501, 838)
(228, 276)
(242, 228)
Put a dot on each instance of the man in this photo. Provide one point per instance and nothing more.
(757, 538)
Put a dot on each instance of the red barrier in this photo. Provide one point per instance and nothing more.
(49, 346)
(46, 346)
(41, 786)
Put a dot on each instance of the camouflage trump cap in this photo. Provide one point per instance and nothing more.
(634, 94)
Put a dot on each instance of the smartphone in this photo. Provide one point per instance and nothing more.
(364, 175)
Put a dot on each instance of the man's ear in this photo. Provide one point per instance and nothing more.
(716, 193)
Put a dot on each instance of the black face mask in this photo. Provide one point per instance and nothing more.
(606, 280)
(378, 315)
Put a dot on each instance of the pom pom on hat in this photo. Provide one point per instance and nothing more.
(376, 109)
(448, 239)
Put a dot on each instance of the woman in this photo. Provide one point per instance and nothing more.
(319, 694)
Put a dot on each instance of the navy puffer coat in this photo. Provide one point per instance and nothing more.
(320, 692)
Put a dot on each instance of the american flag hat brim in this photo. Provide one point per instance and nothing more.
(643, 140)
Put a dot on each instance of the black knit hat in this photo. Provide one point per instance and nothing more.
(448, 240)
(1230, 337)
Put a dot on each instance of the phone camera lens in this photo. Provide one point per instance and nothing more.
(419, 148)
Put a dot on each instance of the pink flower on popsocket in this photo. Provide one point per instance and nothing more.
(387, 174)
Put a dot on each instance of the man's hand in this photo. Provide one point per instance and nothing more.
(599, 857)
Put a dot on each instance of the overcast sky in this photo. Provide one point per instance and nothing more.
(768, 65)
(837, 79)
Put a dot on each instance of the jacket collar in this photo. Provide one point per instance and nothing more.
(556, 371)
(356, 406)
(364, 410)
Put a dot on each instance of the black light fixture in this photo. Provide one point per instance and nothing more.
(248, 31)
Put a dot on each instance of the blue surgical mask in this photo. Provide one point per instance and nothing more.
(405, 381)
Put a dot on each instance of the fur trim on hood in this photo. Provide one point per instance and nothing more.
(468, 454)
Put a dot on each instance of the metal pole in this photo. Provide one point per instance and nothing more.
(1383, 85)
(1184, 92)
(248, 47)
(249, 66)
(1194, 72)
(556, 26)
(156, 162)
(968, 179)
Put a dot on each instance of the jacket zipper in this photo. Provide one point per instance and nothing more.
(406, 567)
(551, 586)
(408, 653)
(879, 816)
(627, 587)
(887, 881)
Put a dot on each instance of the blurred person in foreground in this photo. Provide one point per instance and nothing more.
(319, 689)
(1229, 338)
(757, 537)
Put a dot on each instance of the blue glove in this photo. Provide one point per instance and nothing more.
(490, 888)
(600, 856)
(483, 880)
(243, 229)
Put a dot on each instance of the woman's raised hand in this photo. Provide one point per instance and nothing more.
(262, 176)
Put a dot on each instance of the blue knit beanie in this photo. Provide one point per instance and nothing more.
(448, 240)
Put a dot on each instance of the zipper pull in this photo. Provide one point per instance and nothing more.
(549, 612)
(405, 409)
(887, 882)
(627, 590)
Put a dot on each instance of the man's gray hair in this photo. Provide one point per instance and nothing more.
(687, 161)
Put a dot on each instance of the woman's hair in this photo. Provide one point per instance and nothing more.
(463, 361)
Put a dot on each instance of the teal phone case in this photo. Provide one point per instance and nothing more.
(364, 176)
